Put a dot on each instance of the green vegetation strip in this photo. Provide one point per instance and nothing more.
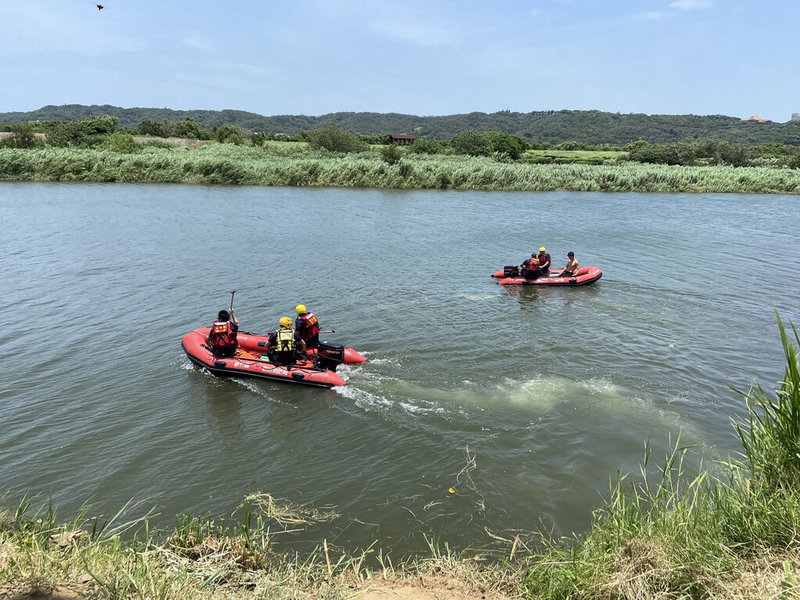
(298, 165)
(729, 532)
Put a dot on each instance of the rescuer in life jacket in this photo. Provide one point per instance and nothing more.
(544, 262)
(222, 337)
(529, 268)
(282, 346)
(307, 326)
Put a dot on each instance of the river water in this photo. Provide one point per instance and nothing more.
(525, 402)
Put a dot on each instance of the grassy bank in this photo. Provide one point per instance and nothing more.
(732, 531)
(218, 558)
(295, 165)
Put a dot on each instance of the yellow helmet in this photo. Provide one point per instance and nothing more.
(285, 322)
(301, 308)
(542, 249)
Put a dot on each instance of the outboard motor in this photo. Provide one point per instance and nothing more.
(330, 355)
(511, 271)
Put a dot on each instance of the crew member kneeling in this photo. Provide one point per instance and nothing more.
(222, 337)
(529, 268)
(282, 346)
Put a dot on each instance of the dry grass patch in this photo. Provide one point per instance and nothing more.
(287, 513)
(770, 576)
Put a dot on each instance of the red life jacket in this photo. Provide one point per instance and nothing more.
(310, 327)
(544, 259)
(222, 335)
(530, 263)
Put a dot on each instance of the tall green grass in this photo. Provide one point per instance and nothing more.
(771, 436)
(296, 165)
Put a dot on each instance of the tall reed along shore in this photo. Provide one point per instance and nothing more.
(295, 164)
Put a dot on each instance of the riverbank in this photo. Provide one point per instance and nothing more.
(293, 165)
(219, 558)
(728, 532)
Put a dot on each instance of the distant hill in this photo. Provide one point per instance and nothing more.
(587, 126)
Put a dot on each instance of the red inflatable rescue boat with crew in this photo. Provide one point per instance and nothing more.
(511, 276)
(250, 360)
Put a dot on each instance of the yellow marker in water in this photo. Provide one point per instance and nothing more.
(672, 345)
(452, 490)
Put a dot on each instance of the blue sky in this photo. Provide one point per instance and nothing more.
(431, 57)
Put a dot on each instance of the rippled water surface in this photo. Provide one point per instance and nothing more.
(527, 402)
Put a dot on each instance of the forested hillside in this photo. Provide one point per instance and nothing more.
(590, 127)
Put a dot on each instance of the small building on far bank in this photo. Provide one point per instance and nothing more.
(795, 116)
(401, 139)
(756, 119)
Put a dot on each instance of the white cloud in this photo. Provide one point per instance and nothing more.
(418, 34)
(656, 14)
(691, 4)
(200, 42)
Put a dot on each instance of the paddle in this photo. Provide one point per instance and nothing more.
(232, 293)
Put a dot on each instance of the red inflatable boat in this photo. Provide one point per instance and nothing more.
(585, 276)
(318, 371)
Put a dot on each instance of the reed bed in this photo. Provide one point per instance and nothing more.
(296, 165)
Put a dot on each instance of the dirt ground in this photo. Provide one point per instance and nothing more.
(424, 588)
(421, 588)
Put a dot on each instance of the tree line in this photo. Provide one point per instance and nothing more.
(105, 132)
(541, 127)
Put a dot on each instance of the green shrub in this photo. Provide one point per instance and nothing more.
(421, 146)
(391, 154)
(510, 146)
(22, 136)
(147, 127)
(122, 143)
(474, 143)
(333, 139)
(259, 139)
(229, 134)
(188, 128)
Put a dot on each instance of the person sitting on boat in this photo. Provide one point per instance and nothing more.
(529, 268)
(282, 346)
(222, 337)
(544, 262)
(571, 270)
(307, 325)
